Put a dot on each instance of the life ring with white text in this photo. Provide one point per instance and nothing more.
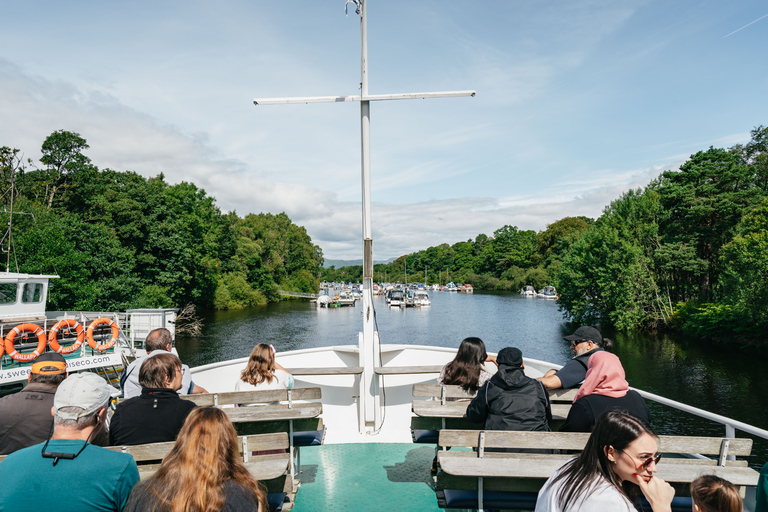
(26, 329)
(104, 346)
(67, 324)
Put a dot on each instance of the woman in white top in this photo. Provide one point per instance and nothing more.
(619, 459)
(263, 372)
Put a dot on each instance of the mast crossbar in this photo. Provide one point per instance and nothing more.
(370, 97)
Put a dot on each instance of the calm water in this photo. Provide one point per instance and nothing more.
(724, 381)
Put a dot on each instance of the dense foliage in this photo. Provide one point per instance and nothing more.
(690, 251)
(119, 240)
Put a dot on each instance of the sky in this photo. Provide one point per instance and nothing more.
(577, 102)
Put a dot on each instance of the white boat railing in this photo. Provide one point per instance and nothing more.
(730, 424)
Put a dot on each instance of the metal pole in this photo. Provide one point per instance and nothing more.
(369, 347)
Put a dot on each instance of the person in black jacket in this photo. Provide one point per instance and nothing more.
(156, 415)
(510, 400)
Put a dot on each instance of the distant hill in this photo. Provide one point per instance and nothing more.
(350, 263)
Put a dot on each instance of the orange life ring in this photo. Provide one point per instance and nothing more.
(67, 323)
(104, 346)
(25, 328)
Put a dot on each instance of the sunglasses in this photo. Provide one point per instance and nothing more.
(578, 342)
(647, 462)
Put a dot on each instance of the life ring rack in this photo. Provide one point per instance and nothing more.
(42, 341)
(67, 323)
(104, 346)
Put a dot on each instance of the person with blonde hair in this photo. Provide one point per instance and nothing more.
(263, 372)
(202, 472)
(711, 493)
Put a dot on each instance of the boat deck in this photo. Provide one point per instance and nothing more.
(366, 476)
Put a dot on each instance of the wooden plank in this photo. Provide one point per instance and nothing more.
(435, 390)
(517, 467)
(505, 439)
(262, 467)
(249, 397)
(562, 395)
(271, 413)
(407, 370)
(259, 442)
(457, 409)
(340, 370)
(145, 452)
(704, 445)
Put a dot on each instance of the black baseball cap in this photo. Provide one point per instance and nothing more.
(510, 356)
(586, 333)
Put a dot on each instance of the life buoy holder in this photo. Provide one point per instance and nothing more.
(67, 323)
(104, 346)
(42, 341)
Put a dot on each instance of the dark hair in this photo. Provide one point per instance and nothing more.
(158, 339)
(713, 494)
(464, 370)
(48, 378)
(157, 371)
(617, 429)
(606, 345)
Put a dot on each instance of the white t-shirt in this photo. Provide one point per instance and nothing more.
(601, 497)
(283, 380)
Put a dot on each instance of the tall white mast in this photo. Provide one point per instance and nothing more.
(368, 340)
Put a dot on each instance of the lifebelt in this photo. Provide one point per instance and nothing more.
(66, 324)
(104, 346)
(25, 328)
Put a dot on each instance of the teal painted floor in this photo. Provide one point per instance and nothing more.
(366, 477)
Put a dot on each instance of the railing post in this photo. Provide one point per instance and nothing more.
(730, 431)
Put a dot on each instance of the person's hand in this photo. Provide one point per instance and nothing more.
(492, 359)
(657, 491)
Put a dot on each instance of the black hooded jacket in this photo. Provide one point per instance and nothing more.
(511, 401)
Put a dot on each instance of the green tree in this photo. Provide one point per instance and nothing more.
(62, 157)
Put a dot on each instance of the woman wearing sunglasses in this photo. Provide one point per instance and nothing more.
(617, 464)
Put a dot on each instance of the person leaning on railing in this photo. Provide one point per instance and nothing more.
(585, 341)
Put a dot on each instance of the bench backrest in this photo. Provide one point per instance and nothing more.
(441, 392)
(255, 397)
(721, 447)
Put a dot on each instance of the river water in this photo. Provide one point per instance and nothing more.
(720, 380)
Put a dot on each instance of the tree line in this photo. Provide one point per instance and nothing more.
(687, 252)
(119, 240)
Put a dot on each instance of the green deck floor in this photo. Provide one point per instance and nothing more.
(368, 477)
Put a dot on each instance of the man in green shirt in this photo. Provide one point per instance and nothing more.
(67, 472)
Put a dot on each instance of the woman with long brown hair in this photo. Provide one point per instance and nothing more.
(711, 493)
(202, 472)
(617, 463)
(466, 369)
(263, 372)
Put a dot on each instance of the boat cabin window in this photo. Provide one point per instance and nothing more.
(8, 293)
(33, 292)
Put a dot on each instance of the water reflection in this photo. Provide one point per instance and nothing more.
(719, 380)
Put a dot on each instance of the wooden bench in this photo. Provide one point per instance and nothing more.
(270, 411)
(440, 406)
(274, 470)
(502, 480)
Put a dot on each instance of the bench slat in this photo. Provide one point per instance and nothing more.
(544, 467)
(248, 397)
(457, 409)
(407, 370)
(341, 370)
(435, 390)
(271, 413)
(704, 445)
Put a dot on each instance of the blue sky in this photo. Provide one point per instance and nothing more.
(576, 103)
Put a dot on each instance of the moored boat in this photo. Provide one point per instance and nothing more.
(528, 291)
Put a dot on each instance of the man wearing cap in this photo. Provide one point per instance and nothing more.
(66, 472)
(25, 417)
(585, 341)
(509, 400)
(158, 341)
